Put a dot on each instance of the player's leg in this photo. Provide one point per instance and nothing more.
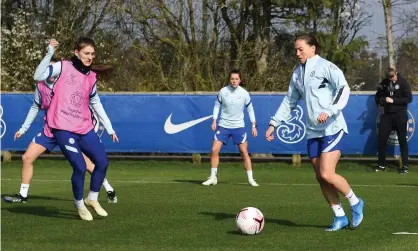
(89, 164)
(385, 128)
(328, 190)
(39, 145)
(239, 136)
(92, 147)
(327, 165)
(69, 145)
(33, 151)
(243, 148)
(214, 163)
(111, 193)
(220, 138)
(401, 130)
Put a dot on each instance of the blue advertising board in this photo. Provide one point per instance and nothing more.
(181, 124)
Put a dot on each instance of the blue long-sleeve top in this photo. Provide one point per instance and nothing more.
(232, 102)
(324, 88)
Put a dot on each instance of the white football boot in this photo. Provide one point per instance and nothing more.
(96, 206)
(210, 181)
(253, 183)
(84, 213)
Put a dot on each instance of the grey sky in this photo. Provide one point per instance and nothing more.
(377, 26)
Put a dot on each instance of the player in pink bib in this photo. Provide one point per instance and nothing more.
(70, 119)
(44, 140)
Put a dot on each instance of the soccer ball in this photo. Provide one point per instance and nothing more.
(250, 221)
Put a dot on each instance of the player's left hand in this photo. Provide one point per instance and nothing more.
(322, 118)
(114, 137)
(269, 133)
(17, 135)
(53, 43)
(254, 132)
(389, 100)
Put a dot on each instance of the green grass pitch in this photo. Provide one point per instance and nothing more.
(162, 206)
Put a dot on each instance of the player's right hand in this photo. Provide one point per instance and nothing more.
(213, 126)
(53, 43)
(269, 134)
(18, 135)
(114, 138)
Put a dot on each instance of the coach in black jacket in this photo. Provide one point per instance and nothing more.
(393, 95)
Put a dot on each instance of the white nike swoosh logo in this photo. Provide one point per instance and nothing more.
(170, 128)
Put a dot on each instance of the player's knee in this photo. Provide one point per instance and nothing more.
(80, 169)
(27, 159)
(244, 154)
(327, 177)
(102, 164)
(215, 151)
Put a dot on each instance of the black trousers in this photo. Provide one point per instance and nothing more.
(393, 121)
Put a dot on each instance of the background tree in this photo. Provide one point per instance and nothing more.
(185, 45)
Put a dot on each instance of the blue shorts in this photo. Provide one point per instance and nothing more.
(316, 146)
(43, 140)
(238, 135)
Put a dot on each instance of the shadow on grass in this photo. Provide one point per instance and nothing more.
(196, 182)
(224, 216)
(235, 232)
(42, 211)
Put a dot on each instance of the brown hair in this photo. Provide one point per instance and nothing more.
(54, 59)
(310, 40)
(83, 42)
(236, 71)
(390, 72)
(102, 68)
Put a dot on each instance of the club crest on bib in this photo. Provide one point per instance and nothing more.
(77, 99)
(293, 130)
(393, 137)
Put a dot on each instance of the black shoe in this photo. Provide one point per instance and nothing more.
(380, 169)
(111, 197)
(15, 199)
(403, 170)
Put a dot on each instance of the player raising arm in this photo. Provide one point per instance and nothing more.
(70, 120)
(44, 140)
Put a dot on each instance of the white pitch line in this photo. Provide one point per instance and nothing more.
(229, 183)
(404, 233)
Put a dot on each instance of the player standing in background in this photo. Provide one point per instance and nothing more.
(325, 90)
(232, 100)
(70, 119)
